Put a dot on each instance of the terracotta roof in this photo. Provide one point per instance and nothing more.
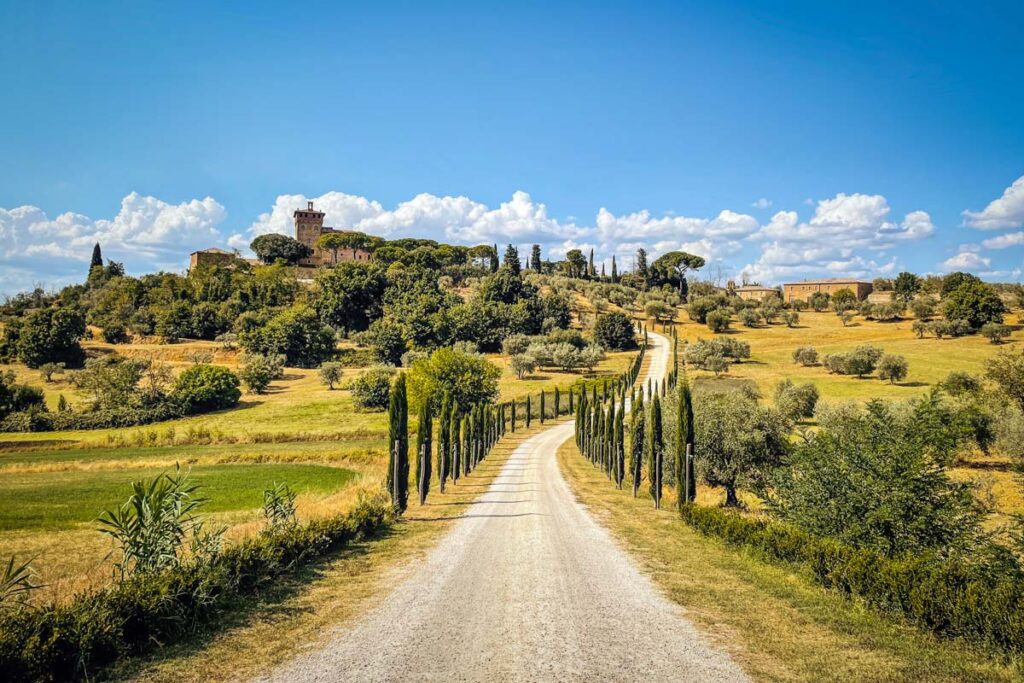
(214, 250)
(754, 288)
(831, 281)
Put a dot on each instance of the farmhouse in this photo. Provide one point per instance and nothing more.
(755, 292)
(309, 227)
(803, 289)
(211, 256)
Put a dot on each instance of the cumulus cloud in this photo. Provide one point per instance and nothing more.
(1005, 212)
(762, 203)
(1011, 239)
(454, 219)
(966, 260)
(146, 233)
(834, 241)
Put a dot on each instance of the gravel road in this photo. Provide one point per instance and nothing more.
(526, 587)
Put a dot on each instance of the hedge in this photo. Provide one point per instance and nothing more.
(951, 598)
(129, 416)
(78, 640)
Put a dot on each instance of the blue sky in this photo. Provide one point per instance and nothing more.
(866, 130)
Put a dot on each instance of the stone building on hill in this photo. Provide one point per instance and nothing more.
(802, 290)
(309, 227)
(210, 257)
(755, 292)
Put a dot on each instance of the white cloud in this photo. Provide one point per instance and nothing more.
(146, 233)
(1011, 239)
(833, 241)
(1005, 212)
(966, 260)
(762, 203)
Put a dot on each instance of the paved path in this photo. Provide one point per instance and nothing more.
(526, 587)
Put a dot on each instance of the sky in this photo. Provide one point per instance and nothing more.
(779, 140)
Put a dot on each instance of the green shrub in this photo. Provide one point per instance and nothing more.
(372, 389)
(806, 356)
(949, 597)
(202, 388)
(718, 320)
(80, 639)
(614, 331)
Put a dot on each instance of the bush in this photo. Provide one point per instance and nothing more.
(515, 344)
(295, 332)
(806, 356)
(700, 353)
(80, 639)
(792, 318)
(387, 339)
(951, 598)
(115, 333)
(958, 383)
(796, 401)
(995, 332)
(372, 389)
(718, 320)
(591, 356)
(614, 331)
(202, 388)
(893, 368)
(974, 302)
(861, 361)
(468, 378)
(566, 357)
(748, 317)
(523, 364)
(257, 371)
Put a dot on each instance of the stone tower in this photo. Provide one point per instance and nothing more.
(309, 225)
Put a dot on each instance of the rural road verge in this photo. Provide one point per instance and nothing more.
(526, 587)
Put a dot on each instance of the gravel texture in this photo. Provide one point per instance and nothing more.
(526, 587)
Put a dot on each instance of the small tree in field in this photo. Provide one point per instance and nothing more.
(330, 374)
(893, 368)
(995, 332)
(718, 320)
(523, 364)
(846, 317)
(806, 356)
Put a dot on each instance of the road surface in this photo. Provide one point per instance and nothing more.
(526, 587)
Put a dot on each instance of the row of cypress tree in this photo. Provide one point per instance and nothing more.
(601, 431)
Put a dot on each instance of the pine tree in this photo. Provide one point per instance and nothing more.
(398, 438)
(655, 450)
(444, 441)
(97, 257)
(636, 444)
(615, 272)
(535, 259)
(455, 434)
(424, 437)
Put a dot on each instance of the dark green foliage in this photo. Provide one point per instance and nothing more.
(469, 378)
(444, 441)
(80, 639)
(684, 438)
(614, 332)
(372, 389)
(398, 446)
(535, 263)
(954, 280)
(97, 257)
(542, 410)
(297, 333)
(905, 287)
(1006, 369)
(873, 480)
(202, 388)
(654, 448)
(529, 411)
(45, 335)
(424, 442)
(974, 302)
(349, 296)
(387, 339)
(16, 397)
(270, 248)
(455, 434)
(950, 597)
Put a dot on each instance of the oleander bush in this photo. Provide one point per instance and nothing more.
(79, 640)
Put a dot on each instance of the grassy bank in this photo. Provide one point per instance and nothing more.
(774, 620)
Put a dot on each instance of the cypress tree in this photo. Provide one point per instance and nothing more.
(636, 443)
(557, 401)
(619, 446)
(467, 443)
(615, 273)
(535, 258)
(571, 392)
(581, 411)
(689, 481)
(97, 257)
(655, 450)
(455, 434)
(542, 406)
(398, 438)
(609, 436)
(590, 266)
(528, 410)
(444, 441)
(424, 436)
(513, 416)
(494, 258)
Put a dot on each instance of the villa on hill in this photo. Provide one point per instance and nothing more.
(804, 288)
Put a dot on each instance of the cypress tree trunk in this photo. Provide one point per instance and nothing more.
(398, 437)
(636, 444)
(443, 442)
(456, 440)
(423, 439)
(655, 450)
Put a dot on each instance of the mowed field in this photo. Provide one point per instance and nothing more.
(56, 484)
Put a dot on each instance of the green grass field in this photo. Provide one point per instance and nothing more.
(62, 500)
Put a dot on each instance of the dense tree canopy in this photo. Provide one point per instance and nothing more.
(270, 248)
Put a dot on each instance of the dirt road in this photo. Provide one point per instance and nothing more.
(526, 587)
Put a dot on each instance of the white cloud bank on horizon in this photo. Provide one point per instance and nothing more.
(851, 235)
